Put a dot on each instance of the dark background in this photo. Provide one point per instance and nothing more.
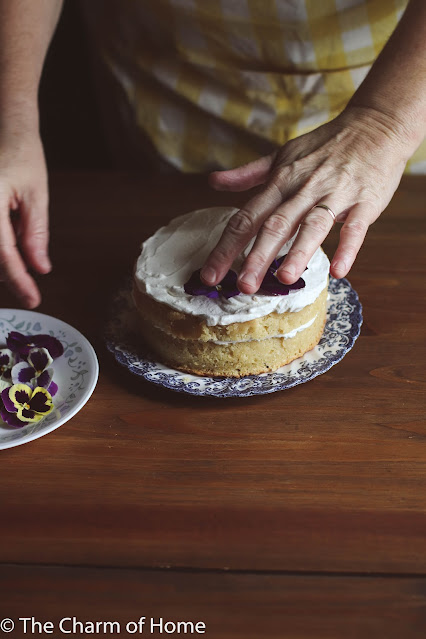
(70, 118)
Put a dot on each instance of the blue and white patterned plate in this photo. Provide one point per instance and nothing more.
(75, 372)
(344, 319)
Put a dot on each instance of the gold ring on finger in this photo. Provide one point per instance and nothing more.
(326, 208)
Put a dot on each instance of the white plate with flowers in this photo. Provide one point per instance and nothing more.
(48, 371)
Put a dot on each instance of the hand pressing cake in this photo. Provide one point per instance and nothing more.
(218, 331)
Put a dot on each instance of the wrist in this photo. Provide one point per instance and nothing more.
(19, 116)
(385, 127)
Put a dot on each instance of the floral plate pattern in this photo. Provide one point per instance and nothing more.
(76, 372)
(343, 325)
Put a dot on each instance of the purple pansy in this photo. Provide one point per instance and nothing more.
(226, 288)
(22, 344)
(6, 363)
(35, 371)
(271, 285)
(23, 405)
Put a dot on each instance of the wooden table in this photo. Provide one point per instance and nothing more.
(294, 515)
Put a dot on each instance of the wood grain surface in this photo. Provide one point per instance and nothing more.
(305, 507)
(231, 605)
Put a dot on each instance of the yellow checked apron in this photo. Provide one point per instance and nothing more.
(217, 83)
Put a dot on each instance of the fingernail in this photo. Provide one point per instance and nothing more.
(247, 278)
(208, 274)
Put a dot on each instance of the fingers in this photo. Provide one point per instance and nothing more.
(277, 229)
(244, 177)
(292, 188)
(314, 228)
(34, 231)
(241, 228)
(12, 267)
(352, 235)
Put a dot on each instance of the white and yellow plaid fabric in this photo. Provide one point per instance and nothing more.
(217, 83)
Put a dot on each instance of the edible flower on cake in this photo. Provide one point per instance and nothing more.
(227, 287)
(170, 257)
(219, 331)
(271, 285)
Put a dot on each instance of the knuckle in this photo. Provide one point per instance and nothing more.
(347, 170)
(299, 254)
(287, 179)
(355, 227)
(318, 222)
(220, 255)
(277, 225)
(37, 236)
(289, 152)
(279, 178)
(276, 186)
(256, 261)
(351, 251)
(313, 181)
(241, 223)
(375, 207)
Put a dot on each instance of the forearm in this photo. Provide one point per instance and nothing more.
(26, 28)
(396, 84)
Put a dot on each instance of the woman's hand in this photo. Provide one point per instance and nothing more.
(352, 164)
(23, 214)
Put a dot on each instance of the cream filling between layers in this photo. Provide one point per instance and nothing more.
(174, 252)
(283, 335)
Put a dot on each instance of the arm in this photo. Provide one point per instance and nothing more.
(26, 28)
(353, 164)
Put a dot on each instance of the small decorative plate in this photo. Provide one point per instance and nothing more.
(75, 372)
(344, 319)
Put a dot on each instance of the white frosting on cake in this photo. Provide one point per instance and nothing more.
(175, 251)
